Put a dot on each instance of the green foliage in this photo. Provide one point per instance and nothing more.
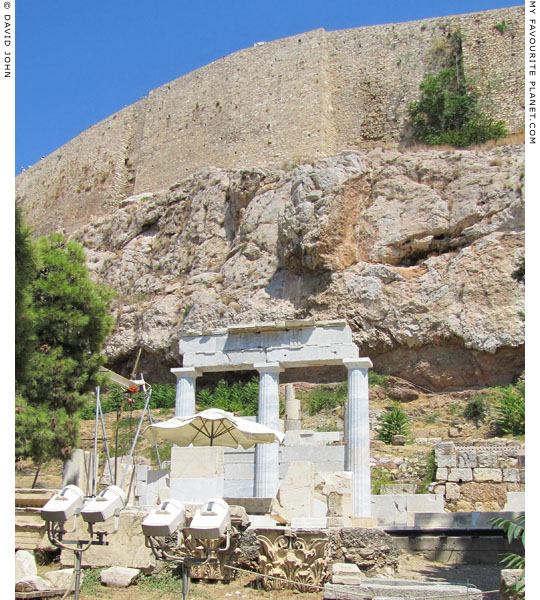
(509, 406)
(164, 585)
(432, 418)
(163, 397)
(43, 433)
(476, 409)
(501, 27)
(320, 398)
(394, 422)
(91, 584)
(447, 112)
(514, 530)
(324, 428)
(25, 271)
(519, 273)
(167, 580)
(429, 473)
(454, 408)
(239, 398)
(71, 321)
(377, 379)
(379, 477)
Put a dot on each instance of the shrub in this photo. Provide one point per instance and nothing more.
(475, 409)
(321, 398)
(394, 422)
(510, 408)
(163, 396)
(447, 112)
(238, 398)
(377, 379)
(519, 273)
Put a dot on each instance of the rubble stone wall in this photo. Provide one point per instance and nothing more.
(478, 477)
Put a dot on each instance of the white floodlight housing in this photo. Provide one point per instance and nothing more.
(211, 521)
(105, 505)
(165, 519)
(63, 505)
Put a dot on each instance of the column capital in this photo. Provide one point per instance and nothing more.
(358, 363)
(272, 367)
(186, 372)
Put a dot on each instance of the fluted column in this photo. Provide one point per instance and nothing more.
(357, 435)
(267, 455)
(185, 391)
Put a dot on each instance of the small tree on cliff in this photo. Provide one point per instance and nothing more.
(447, 111)
(71, 321)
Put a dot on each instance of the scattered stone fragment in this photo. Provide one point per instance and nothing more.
(32, 584)
(25, 565)
(509, 577)
(118, 576)
(63, 579)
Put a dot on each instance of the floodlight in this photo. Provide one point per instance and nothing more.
(108, 503)
(211, 521)
(164, 520)
(63, 505)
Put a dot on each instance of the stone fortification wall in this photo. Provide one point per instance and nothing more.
(375, 72)
(303, 97)
(257, 106)
(85, 178)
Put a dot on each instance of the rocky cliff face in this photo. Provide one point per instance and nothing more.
(414, 249)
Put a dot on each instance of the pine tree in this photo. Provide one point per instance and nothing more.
(71, 322)
(25, 271)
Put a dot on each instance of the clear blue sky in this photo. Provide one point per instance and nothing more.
(78, 62)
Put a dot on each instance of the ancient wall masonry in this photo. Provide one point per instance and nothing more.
(479, 476)
(300, 98)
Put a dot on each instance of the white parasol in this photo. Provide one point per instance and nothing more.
(212, 427)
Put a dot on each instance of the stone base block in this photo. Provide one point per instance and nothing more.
(197, 462)
(293, 424)
(346, 573)
(364, 522)
(196, 490)
(399, 588)
(309, 523)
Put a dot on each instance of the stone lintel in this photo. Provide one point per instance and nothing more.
(273, 367)
(358, 363)
(266, 326)
(186, 372)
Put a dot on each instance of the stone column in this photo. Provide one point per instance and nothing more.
(267, 455)
(185, 391)
(293, 419)
(357, 435)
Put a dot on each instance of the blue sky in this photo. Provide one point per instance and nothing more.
(79, 62)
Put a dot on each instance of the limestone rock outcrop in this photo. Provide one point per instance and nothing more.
(415, 249)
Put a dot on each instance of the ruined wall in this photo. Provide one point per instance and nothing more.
(302, 97)
(478, 476)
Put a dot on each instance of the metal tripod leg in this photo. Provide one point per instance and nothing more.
(78, 563)
(185, 580)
